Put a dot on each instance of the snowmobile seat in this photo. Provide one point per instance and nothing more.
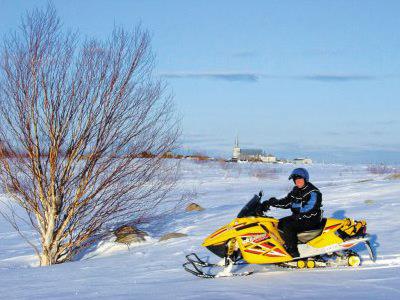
(306, 236)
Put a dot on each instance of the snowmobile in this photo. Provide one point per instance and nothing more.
(254, 238)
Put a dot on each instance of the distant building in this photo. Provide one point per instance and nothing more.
(303, 161)
(236, 150)
(251, 154)
(269, 158)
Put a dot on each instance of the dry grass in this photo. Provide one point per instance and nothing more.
(382, 169)
(395, 176)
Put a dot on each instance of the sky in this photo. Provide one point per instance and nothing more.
(295, 78)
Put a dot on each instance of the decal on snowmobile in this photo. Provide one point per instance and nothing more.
(348, 245)
(261, 238)
(218, 232)
(326, 229)
(246, 226)
(254, 237)
(226, 228)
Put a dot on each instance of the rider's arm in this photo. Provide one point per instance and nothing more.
(281, 203)
(312, 202)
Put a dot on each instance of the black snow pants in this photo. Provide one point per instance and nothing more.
(290, 226)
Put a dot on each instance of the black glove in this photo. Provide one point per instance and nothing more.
(272, 201)
(265, 205)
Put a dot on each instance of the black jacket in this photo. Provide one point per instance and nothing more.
(304, 203)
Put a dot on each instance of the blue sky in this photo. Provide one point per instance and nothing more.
(295, 78)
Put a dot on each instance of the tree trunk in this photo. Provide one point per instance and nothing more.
(49, 246)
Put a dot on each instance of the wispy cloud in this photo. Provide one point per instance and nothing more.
(254, 76)
(387, 122)
(234, 76)
(335, 78)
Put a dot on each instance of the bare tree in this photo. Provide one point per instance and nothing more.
(84, 127)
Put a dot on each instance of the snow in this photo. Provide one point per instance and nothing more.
(153, 270)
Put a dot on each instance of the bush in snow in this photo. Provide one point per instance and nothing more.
(75, 124)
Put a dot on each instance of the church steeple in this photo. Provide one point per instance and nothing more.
(236, 150)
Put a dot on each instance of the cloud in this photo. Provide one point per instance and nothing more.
(252, 77)
(387, 122)
(205, 139)
(335, 78)
(234, 76)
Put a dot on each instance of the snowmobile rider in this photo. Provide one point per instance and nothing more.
(305, 202)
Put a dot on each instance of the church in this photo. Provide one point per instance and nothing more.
(251, 154)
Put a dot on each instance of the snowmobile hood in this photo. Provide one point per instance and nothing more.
(235, 228)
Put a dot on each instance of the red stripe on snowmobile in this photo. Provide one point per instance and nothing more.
(218, 232)
(348, 245)
(253, 251)
(250, 234)
(267, 246)
(279, 251)
(238, 225)
(224, 229)
(246, 226)
(274, 254)
(260, 240)
(331, 227)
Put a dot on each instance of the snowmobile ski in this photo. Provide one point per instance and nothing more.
(194, 258)
(371, 252)
(195, 265)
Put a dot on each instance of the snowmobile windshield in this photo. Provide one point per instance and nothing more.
(251, 209)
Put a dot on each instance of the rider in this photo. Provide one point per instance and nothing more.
(305, 202)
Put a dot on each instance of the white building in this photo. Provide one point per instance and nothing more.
(251, 154)
(236, 150)
(269, 158)
(302, 161)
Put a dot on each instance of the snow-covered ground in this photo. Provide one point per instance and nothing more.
(153, 270)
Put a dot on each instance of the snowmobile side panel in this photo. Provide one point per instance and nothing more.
(328, 235)
(263, 244)
(325, 240)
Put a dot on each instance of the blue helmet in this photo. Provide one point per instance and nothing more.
(300, 172)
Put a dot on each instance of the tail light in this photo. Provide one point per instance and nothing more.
(365, 229)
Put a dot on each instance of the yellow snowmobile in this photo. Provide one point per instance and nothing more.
(254, 238)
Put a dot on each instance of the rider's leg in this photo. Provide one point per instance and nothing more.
(288, 228)
(312, 223)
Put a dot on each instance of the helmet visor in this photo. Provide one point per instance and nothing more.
(295, 176)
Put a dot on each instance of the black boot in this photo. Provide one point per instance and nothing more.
(293, 252)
